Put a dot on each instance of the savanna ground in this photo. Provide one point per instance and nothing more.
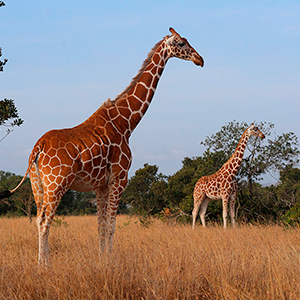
(160, 261)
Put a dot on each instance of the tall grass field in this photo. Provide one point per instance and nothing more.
(160, 261)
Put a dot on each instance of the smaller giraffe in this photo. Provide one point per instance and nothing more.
(222, 184)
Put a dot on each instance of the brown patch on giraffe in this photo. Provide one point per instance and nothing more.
(63, 136)
(124, 112)
(140, 90)
(113, 112)
(147, 80)
(45, 160)
(156, 59)
(56, 171)
(54, 143)
(51, 152)
(100, 121)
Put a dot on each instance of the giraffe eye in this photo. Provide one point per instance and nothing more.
(181, 44)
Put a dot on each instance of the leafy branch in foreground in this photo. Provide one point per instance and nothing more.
(9, 116)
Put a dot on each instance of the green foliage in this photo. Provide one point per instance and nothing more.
(21, 202)
(77, 203)
(144, 193)
(9, 116)
(289, 195)
(9, 112)
(59, 222)
(292, 216)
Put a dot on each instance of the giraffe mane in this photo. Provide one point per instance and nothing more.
(106, 103)
(144, 65)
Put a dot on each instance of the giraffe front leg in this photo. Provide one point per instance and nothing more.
(232, 209)
(197, 204)
(102, 199)
(225, 204)
(198, 198)
(115, 192)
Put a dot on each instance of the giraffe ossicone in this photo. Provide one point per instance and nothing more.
(222, 184)
(95, 155)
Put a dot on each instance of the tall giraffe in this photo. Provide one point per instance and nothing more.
(95, 155)
(222, 184)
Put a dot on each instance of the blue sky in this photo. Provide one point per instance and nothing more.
(67, 57)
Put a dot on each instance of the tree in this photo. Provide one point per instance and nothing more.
(8, 110)
(21, 202)
(2, 63)
(144, 191)
(288, 194)
(9, 116)
(77, 203)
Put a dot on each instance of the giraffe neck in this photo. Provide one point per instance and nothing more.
(234, 162)
(134, 101)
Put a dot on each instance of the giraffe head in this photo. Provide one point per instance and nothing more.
(254, 131)
(179, 47)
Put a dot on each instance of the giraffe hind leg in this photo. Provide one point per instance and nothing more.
(203, 209)
(45, 216)
(37, 187)
(232, 208)
(225, 204)
(197, 202)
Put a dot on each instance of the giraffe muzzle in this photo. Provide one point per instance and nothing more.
(198, 60)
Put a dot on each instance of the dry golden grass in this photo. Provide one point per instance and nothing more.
(159, 262)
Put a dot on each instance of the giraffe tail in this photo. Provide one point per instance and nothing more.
(8, 193)
(32, 159)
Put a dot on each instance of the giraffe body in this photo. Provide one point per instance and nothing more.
(222, 184)
(95, 155)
